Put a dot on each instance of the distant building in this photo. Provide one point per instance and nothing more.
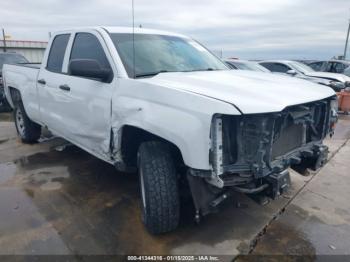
(32, 50)
(338, 57)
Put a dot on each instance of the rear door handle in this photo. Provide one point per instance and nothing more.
(42, 81)
(64, 87)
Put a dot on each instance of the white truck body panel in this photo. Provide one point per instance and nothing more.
(88, 100)
(251, 92)
(177, 107)
(25, 78)
(181, 117)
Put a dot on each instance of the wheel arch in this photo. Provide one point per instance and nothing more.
(14, 96)
(131, 139)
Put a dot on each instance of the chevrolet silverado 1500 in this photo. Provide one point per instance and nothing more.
(162, 104)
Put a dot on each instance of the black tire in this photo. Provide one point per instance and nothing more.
(4, 105)
(159, 187)
(28, 131)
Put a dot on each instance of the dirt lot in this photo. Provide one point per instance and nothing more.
(58, 199)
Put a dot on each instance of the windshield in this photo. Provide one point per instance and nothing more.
(247, 65)
(163, 53)
(301, 67)
(11, 59)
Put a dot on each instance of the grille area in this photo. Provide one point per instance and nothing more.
(263, 143)
(289, 139)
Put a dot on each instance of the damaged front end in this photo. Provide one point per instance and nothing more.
(251, 153)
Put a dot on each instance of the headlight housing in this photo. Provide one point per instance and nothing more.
(334, 104)
(333, 114)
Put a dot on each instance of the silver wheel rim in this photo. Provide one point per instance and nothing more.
(20, 122)
(142, 189)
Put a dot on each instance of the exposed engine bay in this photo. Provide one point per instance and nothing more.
(251, 153)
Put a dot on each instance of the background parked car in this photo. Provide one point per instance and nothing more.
(300, 70)
(246, 65)
(333, 66)
(8, 58)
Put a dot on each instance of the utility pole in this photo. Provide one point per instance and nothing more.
(346, 42)
(4, 39)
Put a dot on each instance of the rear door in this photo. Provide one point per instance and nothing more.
(50, 77)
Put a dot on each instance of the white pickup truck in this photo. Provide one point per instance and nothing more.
(162, 104)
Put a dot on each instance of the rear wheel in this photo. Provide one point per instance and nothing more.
(159, 187)
(4, 105)
(28, 131)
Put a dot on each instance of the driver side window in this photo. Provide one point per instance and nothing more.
(87, 46)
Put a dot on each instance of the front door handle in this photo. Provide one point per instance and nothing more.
(64, 87)
(42, 81)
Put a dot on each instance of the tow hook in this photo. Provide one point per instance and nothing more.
(279, 183)
(322, 155)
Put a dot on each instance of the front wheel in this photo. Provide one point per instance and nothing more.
(159, 187)
(28, 131)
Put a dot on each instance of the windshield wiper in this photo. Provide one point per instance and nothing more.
(206, 69)
(151, 73)
(166, 71)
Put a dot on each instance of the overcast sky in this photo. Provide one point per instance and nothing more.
(249, 29)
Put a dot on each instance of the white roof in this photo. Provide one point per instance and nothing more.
(138, 30)
(119, 29)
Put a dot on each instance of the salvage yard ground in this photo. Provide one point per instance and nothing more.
(57, 199)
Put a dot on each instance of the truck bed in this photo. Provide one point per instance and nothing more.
(31, 65)
(23, 77)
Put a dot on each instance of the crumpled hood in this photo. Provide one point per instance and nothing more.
(250, 92)
(339, 77)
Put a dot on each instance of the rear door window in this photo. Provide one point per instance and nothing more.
(57, 51)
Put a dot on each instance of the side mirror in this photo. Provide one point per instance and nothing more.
(291, 72)
(88, 68)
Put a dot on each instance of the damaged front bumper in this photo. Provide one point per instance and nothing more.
(252, 153)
